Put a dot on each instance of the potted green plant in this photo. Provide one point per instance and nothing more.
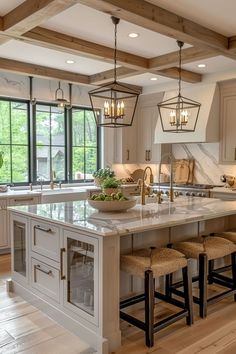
(110, 185)
(102, 174)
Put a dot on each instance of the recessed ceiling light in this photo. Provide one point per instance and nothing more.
(201, 65)
(134, 35)
(153, 79)
(70, 61)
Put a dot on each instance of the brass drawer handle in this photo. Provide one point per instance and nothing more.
(38, 227)
(23, 200)
(38, 267)
(62, 250)
(127, 157)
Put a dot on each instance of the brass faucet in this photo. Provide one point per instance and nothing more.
(171, 190)
(142, 192)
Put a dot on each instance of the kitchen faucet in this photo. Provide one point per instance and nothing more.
(171, 190)
(142, 192)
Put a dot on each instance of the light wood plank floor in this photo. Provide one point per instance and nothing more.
(24, 329)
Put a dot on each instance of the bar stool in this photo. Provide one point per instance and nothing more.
(149, 264)
(229, 235)
(206, 250)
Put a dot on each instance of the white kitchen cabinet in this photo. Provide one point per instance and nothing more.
(4, 219)
(228, 122)
(125, 143)
(148, 151)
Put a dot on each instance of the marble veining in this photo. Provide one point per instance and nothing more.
(81, 215)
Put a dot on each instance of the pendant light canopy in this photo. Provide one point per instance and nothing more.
(179, 114)
(117, 99)
(59, 98)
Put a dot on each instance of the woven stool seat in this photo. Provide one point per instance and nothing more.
(228, 235)
(161, 261)
(213, 247)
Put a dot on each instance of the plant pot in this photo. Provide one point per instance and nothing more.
(109, 191)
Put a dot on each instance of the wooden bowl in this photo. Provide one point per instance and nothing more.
(113, 205)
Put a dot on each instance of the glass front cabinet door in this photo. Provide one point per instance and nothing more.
(19, 261)
(80, 275)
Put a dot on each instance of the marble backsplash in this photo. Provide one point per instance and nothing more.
(207, 168)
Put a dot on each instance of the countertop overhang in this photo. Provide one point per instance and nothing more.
(80, 215)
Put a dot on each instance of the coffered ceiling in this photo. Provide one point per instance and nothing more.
(37, 37)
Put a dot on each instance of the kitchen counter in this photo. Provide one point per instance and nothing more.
(80, 215)
(19, 193)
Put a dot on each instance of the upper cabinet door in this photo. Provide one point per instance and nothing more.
(148, 151)
(228, 123)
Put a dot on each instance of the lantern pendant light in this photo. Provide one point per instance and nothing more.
(179, 114)
(59, 97)
(118, 101)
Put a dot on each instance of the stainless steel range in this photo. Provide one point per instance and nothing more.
(194, 190)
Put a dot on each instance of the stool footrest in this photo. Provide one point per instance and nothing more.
(180, 283)
(222, 269)
(225, 280)
(169, 320)
(169, 300)
(132, 300)
(216, 298)
(134, 321)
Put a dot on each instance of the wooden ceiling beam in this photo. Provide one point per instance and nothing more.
(30, 14)
(188, 55)
(77, 46)
(186, 75)
(106, 76)
(157, 19)
(42, 71)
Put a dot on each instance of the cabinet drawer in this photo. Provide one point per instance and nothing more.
(45, 239)
(46, 279)
(23, 200)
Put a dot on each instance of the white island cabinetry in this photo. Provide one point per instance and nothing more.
(66, 256)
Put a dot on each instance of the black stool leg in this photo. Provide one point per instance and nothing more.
(168, 283)
(149, 308)
(187, 282)
(233, 264)
(203, 284)
(210, 270)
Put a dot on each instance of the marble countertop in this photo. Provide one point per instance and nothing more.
(18, 193)
(224, 190)
(78, 214)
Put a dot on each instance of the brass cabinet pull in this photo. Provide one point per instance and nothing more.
(149, 155)
(20, 226)
(23, 200)
(127, 156)
(38, 227)
(38, 267)
(146, 159)
(61, 262)
(235, 153)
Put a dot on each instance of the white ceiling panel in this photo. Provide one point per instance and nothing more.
(29, 53)
(8, 5)
(213, 65)
(145, 80)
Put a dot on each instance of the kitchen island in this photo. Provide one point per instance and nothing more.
(66, 256)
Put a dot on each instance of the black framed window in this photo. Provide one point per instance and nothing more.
(84, 144)
(14, 141)
(50, 142)
(46, 143)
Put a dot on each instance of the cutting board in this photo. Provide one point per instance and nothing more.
(181, 171)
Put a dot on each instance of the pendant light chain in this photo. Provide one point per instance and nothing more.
(180, 63)
(115, 53)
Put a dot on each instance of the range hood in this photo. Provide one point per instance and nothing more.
(207, 128)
